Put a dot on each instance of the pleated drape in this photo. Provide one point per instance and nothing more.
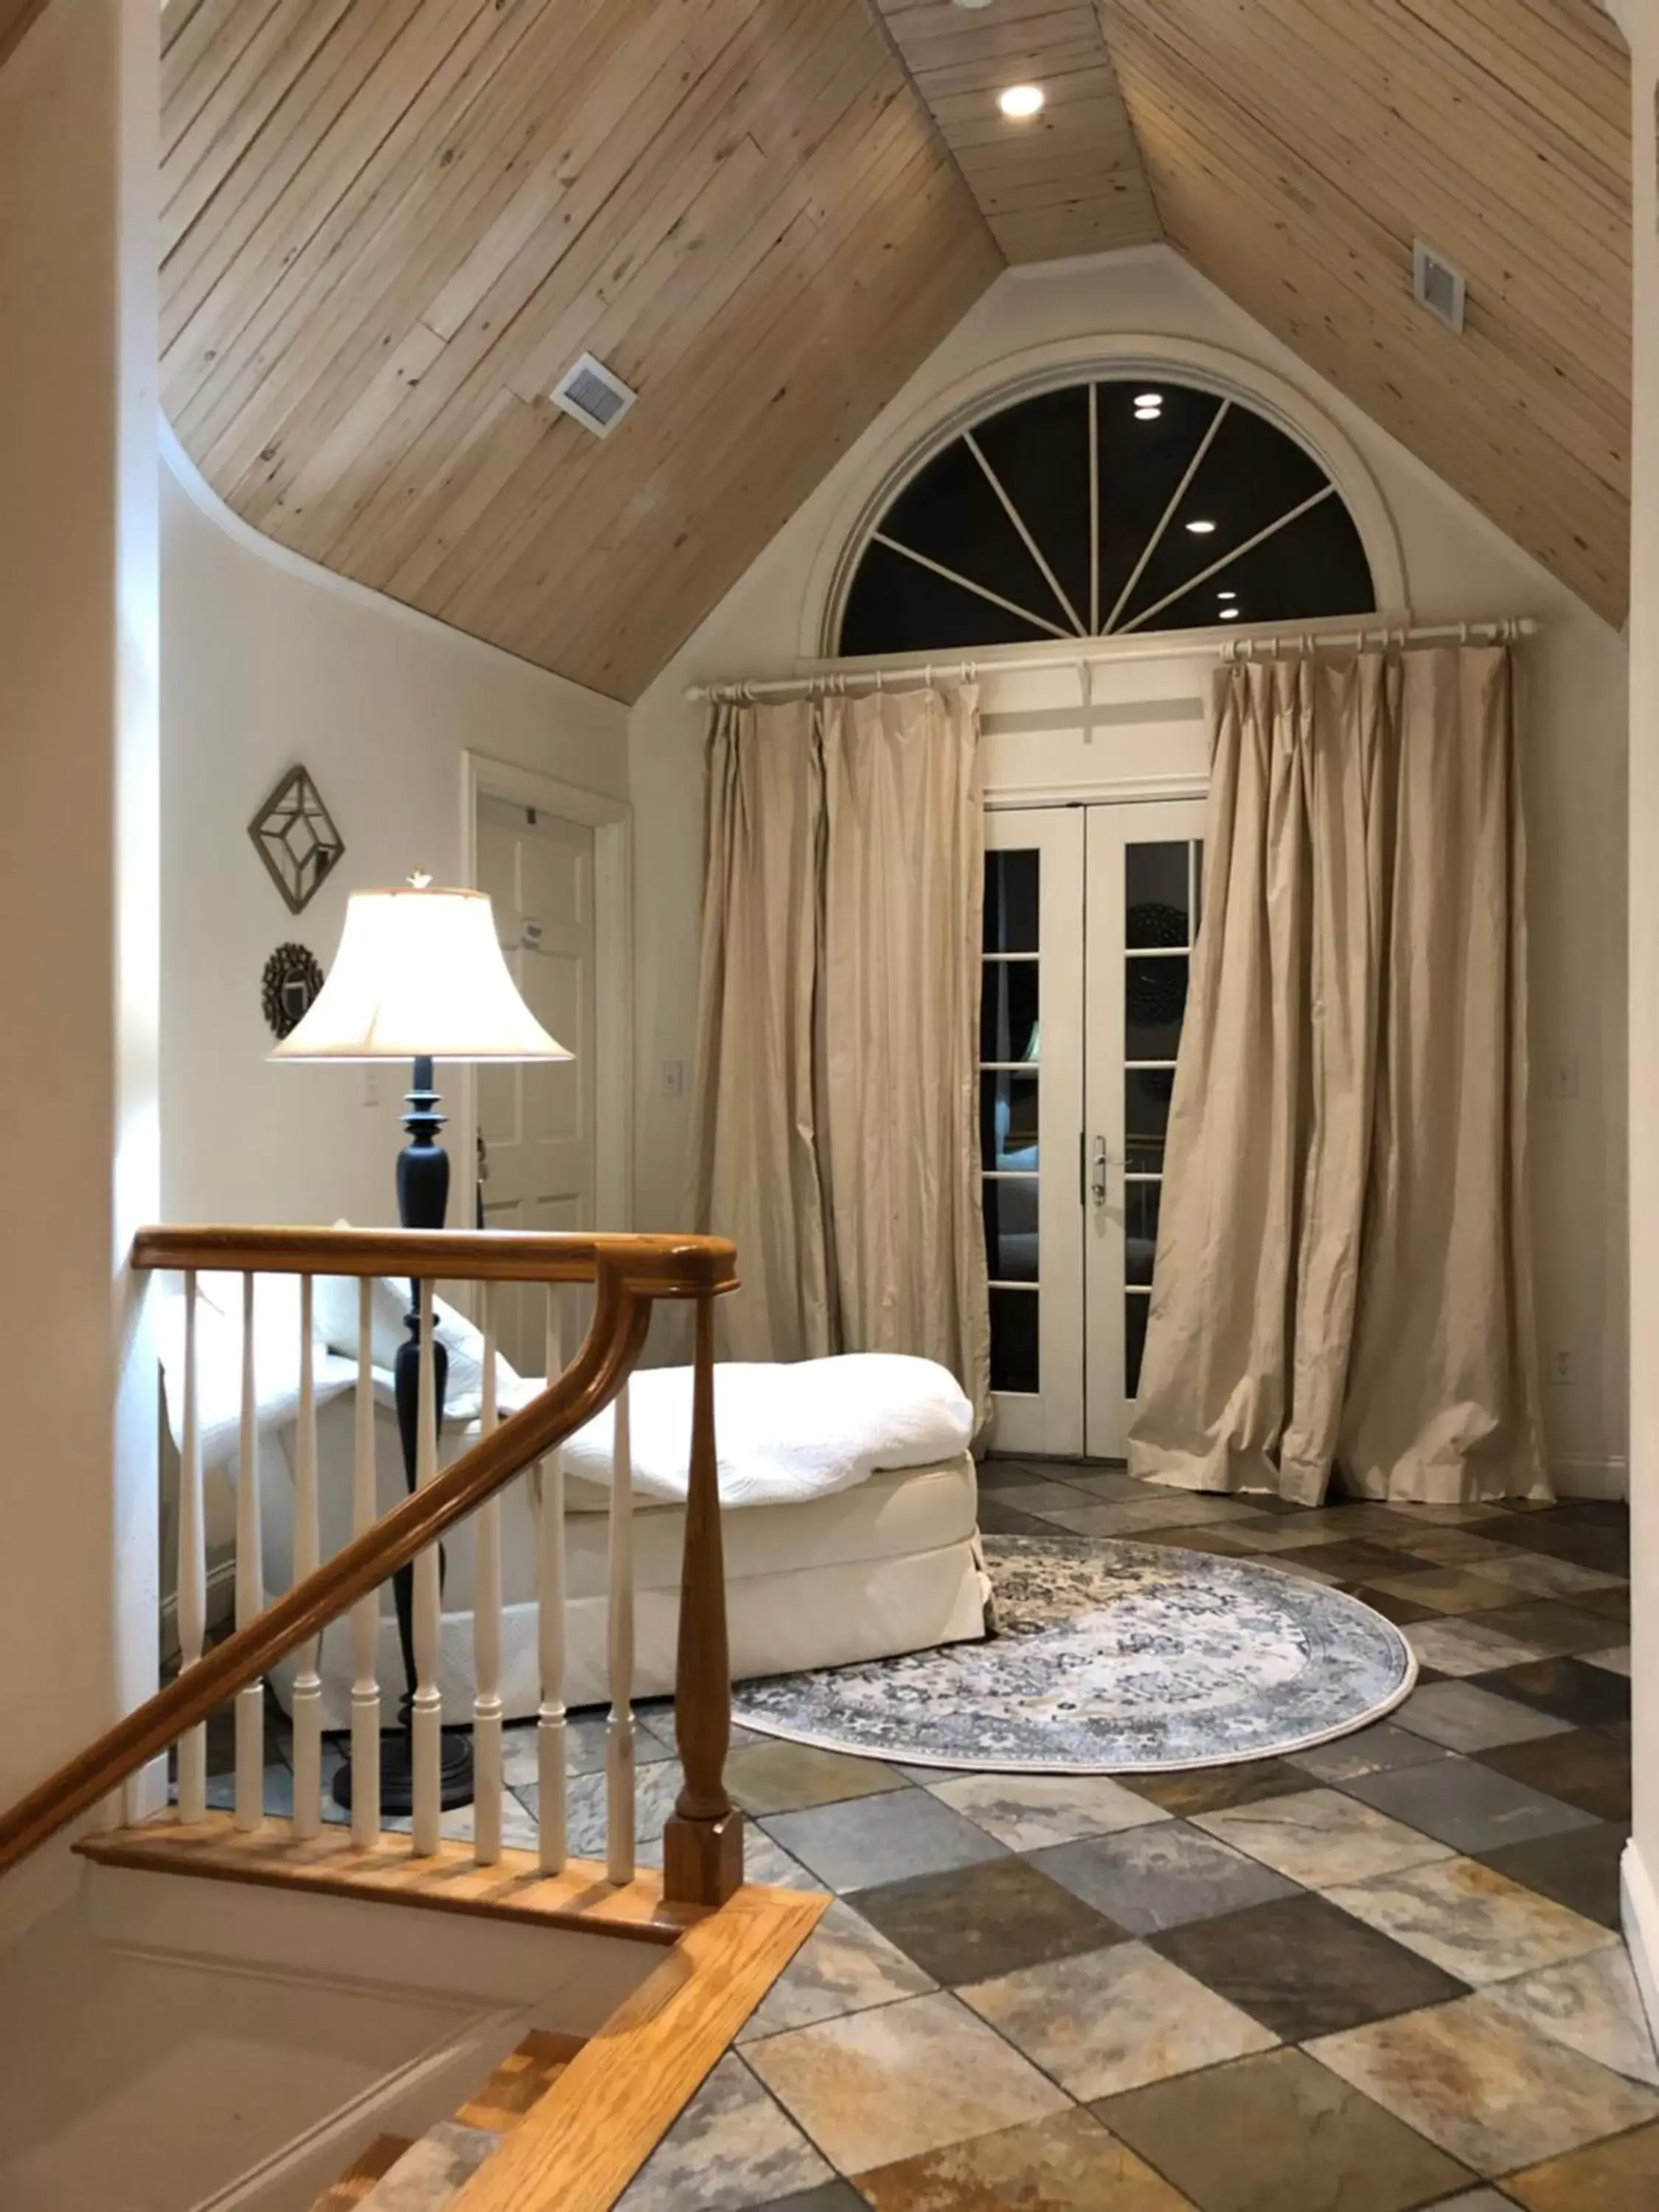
(834, 1135)
(1343, 1276)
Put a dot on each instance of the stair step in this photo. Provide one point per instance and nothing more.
(447, 2155)
(360, 2177)
(523, 2075)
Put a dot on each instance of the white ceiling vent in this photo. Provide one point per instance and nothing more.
(588, 391)
(1437, 286)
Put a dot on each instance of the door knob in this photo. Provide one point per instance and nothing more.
(1097, 1186)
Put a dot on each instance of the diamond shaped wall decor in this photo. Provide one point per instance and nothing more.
(296, 837)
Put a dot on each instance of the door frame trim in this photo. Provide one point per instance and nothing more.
(611, 821)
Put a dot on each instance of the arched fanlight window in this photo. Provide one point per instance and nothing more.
(1116, 503)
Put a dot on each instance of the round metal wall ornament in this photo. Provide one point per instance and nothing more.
(291, 980)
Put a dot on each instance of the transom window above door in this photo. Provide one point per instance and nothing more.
(1116, 503)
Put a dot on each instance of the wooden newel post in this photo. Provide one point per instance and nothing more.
(703, 1843)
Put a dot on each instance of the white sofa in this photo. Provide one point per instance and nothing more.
(889, 1565)
(826, 1561)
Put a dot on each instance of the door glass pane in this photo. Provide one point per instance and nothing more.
(1146, 1092)
(1011, 901)
(1139, 1230)
(1008, 1011)
(1011, 1229)
(1014, 1340)
(1135, 1306)
(1154, 1003)
(1156, 895)
(1008, 1120)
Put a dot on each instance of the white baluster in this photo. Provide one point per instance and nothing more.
(308, 1714)
(250, 1583)
(426, 1727)
(550, 1597)
(366, 1613)
(487, 1633)
(191, 1599)
(619, 1728)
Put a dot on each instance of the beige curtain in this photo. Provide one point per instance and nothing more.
(1344, 1280)
(835, 1133)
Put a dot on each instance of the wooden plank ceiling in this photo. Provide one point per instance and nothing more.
(1294, 149)
(1067, 180)
(389, 225)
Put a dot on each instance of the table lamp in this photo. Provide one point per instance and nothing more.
(419, 976)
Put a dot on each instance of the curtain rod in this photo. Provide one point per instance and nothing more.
(1259, 645)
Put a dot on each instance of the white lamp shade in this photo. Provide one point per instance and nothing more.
(419, 973)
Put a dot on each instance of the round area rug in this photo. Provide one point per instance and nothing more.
(1109, 1658)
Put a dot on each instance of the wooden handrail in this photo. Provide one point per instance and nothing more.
(631, 1274)
(653, 1267)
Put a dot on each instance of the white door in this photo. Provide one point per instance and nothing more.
(1090, 918)
(535, 1121)
(1143, 872)
(1031, 1081)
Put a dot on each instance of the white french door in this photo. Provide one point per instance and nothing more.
(1090, 915)
(1031, 1050)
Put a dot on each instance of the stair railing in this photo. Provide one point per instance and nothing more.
(703, 1840)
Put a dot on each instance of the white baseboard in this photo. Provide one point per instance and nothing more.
(1590, 1477)
(1640, 1904)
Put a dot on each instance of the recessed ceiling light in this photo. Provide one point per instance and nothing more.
(1202, 529)
(970, 4)
(1149, 413)
(1149, 399)
(1230, 614)
(1020, 99)
(1226, 595)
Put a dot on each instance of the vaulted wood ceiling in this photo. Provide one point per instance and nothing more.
(390, 224)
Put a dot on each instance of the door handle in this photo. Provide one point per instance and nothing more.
(1097, 1185)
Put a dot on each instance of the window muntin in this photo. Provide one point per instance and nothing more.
(1086, 510)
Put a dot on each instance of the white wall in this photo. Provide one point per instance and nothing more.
(1457, 565)
(78, 102)
(266, 661)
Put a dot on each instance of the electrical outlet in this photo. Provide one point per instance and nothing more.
(1563, 1364)
(371, 1084)
(674, 1078)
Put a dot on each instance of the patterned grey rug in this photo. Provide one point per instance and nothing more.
(1110, 1658)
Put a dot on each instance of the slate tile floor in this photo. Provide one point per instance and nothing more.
(1377, 1976)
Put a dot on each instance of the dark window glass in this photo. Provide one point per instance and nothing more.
(1139, 1230)
(1008, 1011)
(1155, 894)
(1040, 451)
(1014, 1340)
(1146, 1092)
(1245, 479)
(1136, 1304)
(951, 512)
(1154, 1004)
(1314, 566)
(1010, 1228)
(895, 606)
(1011, 900)
(1141, 465)
(1008, 1122)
